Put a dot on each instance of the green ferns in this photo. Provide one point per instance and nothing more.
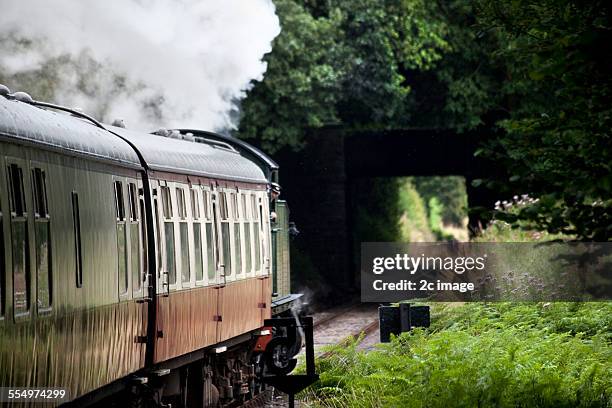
(480, 355)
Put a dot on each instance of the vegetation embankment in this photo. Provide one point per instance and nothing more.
(485, 355)
(520, 354)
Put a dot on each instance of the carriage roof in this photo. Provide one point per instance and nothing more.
(29, 124)
(182, 156)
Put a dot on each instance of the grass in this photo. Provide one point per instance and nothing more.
(414, 221)
(500, 231)
(480, 355)
(520, 354)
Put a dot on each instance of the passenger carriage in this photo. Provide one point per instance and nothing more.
(132, 258)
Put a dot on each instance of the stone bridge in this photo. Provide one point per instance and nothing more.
(316, 183)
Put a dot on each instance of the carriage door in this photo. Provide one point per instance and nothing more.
(218, 201)
(162, 290)
(268, 285)
(219, 276)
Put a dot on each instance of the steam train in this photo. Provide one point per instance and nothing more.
(150, 269)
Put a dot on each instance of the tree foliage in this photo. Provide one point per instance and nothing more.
(302, 82)
(534, 73)
(341, 63)
(451, 194)
(479, 355)
(556, 142)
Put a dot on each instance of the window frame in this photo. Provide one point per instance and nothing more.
(182, 223)
(122, 216)
(225, 204)
(211, 249)
(248, 226)
(40, 201)
(21, 217)
(168, 203)
(78, 238)
(181, 206)
(266, 239)
(257, 225)
(197, 196)
(238, 225)
(135, 224)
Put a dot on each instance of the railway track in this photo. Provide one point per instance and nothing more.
(335, 326)
(340, 324)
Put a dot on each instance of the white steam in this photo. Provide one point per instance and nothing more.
(151, 62)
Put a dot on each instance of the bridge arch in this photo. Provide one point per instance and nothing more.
(316, 183)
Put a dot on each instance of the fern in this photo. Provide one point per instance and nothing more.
(480, 355)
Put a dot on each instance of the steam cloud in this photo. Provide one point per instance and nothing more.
(151, 62)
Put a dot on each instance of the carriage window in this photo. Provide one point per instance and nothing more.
(248, 225)
(195, 204)
(184, 243)
(16, 191)
(43, 239)
(169, 235)
(19, 232)
(197, 246)
(166, 202)
(210, 260)
(206, 204)
(180, 203)
(76, 223)
(223, 210)
(170, 262)
(134, 234)
(208, 231)
(144, 247)
(238, 248)
(235, 205)
(122, 244)
(132, 195)
(257, 243)
(254, 206)
(119, 202)
(158, 229)
(40, 192)
(225, 233)
(247, 246)
(185, 267)
(197, 236)
(256, 233)
(225, 237)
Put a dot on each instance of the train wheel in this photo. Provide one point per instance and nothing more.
(278, 356)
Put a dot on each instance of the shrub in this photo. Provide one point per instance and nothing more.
(481, 355)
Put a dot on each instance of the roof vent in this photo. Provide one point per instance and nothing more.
(23, 97)
(118, 123)
(4, 90)
(162, 132)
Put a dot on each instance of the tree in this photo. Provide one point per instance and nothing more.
(340, 63)
(556, 142)
(302, 82)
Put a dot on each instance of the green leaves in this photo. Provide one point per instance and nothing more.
(487, 355)
(557, 137)
(344, 62)
(302, 83)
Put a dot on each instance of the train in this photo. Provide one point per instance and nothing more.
(141, 269)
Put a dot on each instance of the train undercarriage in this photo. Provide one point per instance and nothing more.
(235, 373)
